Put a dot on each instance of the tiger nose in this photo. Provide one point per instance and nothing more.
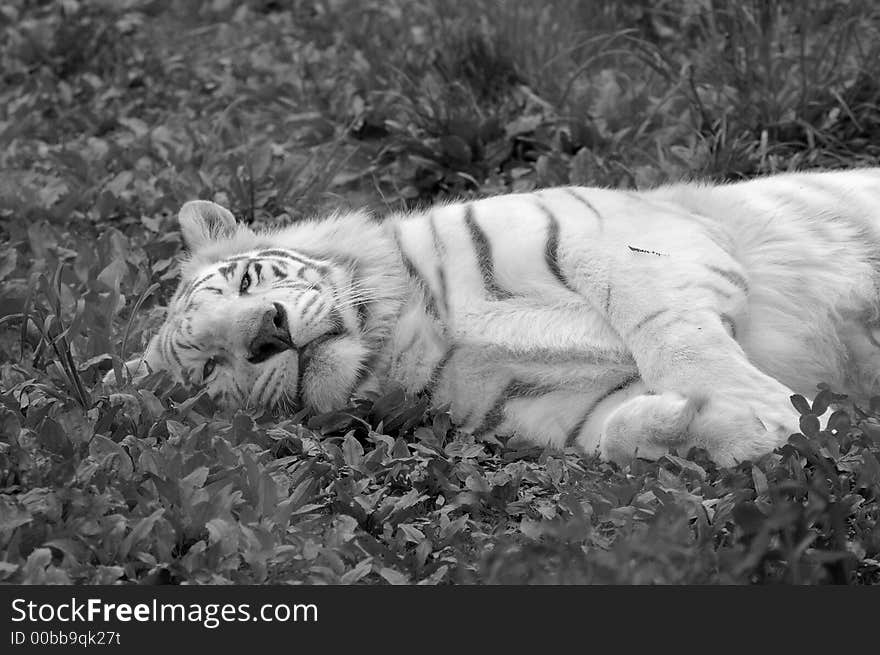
(273, 335)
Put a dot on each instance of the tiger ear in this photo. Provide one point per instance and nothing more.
(203, 221)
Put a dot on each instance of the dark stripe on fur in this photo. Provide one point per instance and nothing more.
(242, 396)
(171, 353)
(718, 291)
(727, 321)
(484, 256)
(301, 259)
(495, 416)
(301, 361)
(575, 432)
(305, 286)
(416, 276)
(337, 320)
(363, 313)
(228, 271)
(733, 277)
(195, 284)
(551, 248)
(438, 370)
(184, 296)
(365, 369)
(186, 345)
(514, 389)
(574, 194)
(439, 252)
(647, 319)
(309, 303)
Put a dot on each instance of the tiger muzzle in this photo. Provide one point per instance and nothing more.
(273, 335)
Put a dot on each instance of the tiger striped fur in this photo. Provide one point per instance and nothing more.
(623, 322)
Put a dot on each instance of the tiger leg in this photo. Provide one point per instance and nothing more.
(676, 316)
(706, 394)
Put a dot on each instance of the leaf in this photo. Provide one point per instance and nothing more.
(800, 404)
(8, 261)
(41, 501)
(243, 429)
(686, 465)
(455, 149)
(139, 532)
(393, 577)
(344, 529)
(136, 125)
(400, 449)
(331, 422)
(410, 498)
(411, 533)
(477, 483)
(821, 402)
(749, 517)
(838, 422)
(260, 161)
(106, 575)
(196, 479)
(37, 562)
(523, 125)
(352, 450)
(760, 481)
(93, 361)
(7, 569)
(223, 533)
(361, 569)
(436, 577)
(152, 403)
(809, 425)
(109, 453)
(869, 475)
(12, 515)
(391, 401)
(51, 436)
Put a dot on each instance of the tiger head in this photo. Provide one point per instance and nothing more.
(277, 320)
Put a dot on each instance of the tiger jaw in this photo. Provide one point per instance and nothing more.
(319, 376)
(313, 376)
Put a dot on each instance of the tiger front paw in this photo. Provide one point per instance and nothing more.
(648, 426)
(735, 429)
(729, 428)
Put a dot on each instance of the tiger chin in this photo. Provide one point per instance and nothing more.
(624, 323)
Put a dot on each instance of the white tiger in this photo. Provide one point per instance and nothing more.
(623, 322)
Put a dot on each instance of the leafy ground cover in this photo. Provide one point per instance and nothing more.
(113, 113)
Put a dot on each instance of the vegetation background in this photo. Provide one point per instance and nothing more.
(114, 112)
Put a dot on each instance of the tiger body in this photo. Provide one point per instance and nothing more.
(624, 323)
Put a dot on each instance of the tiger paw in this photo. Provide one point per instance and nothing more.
(731, 430)
(647, 426)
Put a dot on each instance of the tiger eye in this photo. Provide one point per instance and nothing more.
(245, 283)
(210, 365)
